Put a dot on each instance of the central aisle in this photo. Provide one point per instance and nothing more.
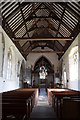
(42, 109)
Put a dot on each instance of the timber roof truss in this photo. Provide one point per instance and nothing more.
(32, 25)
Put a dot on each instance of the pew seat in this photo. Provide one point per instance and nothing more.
(71, 109)
(58, 98)
(18, 103)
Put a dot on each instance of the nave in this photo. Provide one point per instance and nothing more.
(39, 47)
(13, 105)
(42, 109)
(29, 104)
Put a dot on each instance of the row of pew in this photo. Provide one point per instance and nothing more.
(18, 104)
(66, 103)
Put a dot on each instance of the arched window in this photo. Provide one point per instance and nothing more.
(64, 75)
(73, 64)
(9, 65)
(43, 72)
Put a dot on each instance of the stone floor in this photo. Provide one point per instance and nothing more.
(42, 109)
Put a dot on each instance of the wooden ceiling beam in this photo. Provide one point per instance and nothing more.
(33, 17)
(51, 26)
(27, 19)
(15, 11)
(6, 26)
(60, 21)
(59, 52)
(73, 12)
(51, 10)
(37, 39)
(24, 44)
(31, 29)
(23, 18)
(60, 44)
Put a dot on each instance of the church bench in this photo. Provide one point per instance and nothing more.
(19, 99)
(71, 109)
(56, 97)
(14, 96)
(14, 109)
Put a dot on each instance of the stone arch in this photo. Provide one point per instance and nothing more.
(41, 57)
(43, 61)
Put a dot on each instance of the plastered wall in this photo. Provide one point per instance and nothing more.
(5, 44)
(72, 84)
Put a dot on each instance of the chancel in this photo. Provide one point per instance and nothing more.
(39, 60)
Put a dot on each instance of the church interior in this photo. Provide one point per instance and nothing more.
(39, 60)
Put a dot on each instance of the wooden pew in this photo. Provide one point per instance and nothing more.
(57, 98)
(71, 109)
(18, 102)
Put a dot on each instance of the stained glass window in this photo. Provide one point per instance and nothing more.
(43, 72)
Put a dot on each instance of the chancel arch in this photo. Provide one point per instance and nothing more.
(43, 73)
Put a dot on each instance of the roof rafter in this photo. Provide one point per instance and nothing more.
(27, 19)
(59, 19)
(14, 12)
(23, 18)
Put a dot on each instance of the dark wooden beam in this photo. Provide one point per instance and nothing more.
(27, 19)
(51, 26)
(28, 48)
(7, 28)
(33, 28)
(73, 12)
(6, 8)
(60, 44)
(51, 10)
(23, 18)
(61, 19)
(16, 10)
(50, 16)
(59, 52)
(24, 44)
(37, 39)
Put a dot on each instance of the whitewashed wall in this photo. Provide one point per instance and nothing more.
(79, 63)
(13, 83)
(71, 84)
(51, 57)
